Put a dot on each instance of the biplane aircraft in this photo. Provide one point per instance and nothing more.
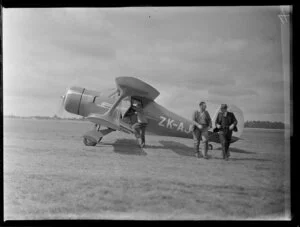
(113, 110)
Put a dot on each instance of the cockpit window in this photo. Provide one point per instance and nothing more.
(135, 102)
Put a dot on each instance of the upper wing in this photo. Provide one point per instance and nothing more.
(134, 87)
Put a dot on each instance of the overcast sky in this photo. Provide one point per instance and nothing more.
(215, 54)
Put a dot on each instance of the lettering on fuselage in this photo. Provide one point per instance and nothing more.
(161, 123)
(171, 124)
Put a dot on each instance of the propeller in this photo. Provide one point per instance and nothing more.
(60, 109)
(61, 106)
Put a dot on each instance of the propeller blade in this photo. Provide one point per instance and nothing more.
(61, 106)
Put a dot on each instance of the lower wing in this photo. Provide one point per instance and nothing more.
(110, 122)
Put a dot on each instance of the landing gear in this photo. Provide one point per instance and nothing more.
(92, 142)
(210, 146)
(88, 142)
(99, 139)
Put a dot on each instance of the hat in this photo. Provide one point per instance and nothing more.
(223, 106)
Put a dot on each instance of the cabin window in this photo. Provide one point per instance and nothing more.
(135, 102)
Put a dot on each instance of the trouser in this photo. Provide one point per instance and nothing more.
(140, 128)
(201, 135)
(225, 138)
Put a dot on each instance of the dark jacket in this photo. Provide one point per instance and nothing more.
(225, 122)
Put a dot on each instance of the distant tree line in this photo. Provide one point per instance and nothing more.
(264, 124)
(55, 117)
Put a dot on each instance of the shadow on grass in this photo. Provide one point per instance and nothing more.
(245, 159)
(178, 148)
(130, 146)
(183, 150)
(237, 150)
(126, 146)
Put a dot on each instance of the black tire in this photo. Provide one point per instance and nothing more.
(87, 142)
(210, 146)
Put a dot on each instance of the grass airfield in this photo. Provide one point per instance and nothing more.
(50, 174)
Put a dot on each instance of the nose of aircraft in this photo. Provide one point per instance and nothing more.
(73, 99)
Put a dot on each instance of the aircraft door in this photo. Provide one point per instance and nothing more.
(128, 109)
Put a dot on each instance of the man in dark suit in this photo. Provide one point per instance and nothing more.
(225, 123)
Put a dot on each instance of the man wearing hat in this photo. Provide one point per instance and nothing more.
(225, 123)
(202, 122)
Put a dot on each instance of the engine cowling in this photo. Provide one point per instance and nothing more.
(73, 100)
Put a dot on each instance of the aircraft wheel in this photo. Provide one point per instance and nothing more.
(88, 142)
(210, 146)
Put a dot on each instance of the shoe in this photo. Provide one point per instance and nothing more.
(142, 145)
(226, 159)
(206, 157)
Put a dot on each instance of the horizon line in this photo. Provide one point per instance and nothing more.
(12, 115)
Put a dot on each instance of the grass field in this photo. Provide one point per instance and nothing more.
(50, 174)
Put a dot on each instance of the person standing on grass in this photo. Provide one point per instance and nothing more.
(225, 123)
(202, 122)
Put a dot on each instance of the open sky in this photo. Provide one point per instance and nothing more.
(216, 54)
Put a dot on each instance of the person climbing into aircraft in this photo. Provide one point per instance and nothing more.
(225, 123)
(200, 130)
(139, 127)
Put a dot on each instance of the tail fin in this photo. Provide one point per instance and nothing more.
(215, 116)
